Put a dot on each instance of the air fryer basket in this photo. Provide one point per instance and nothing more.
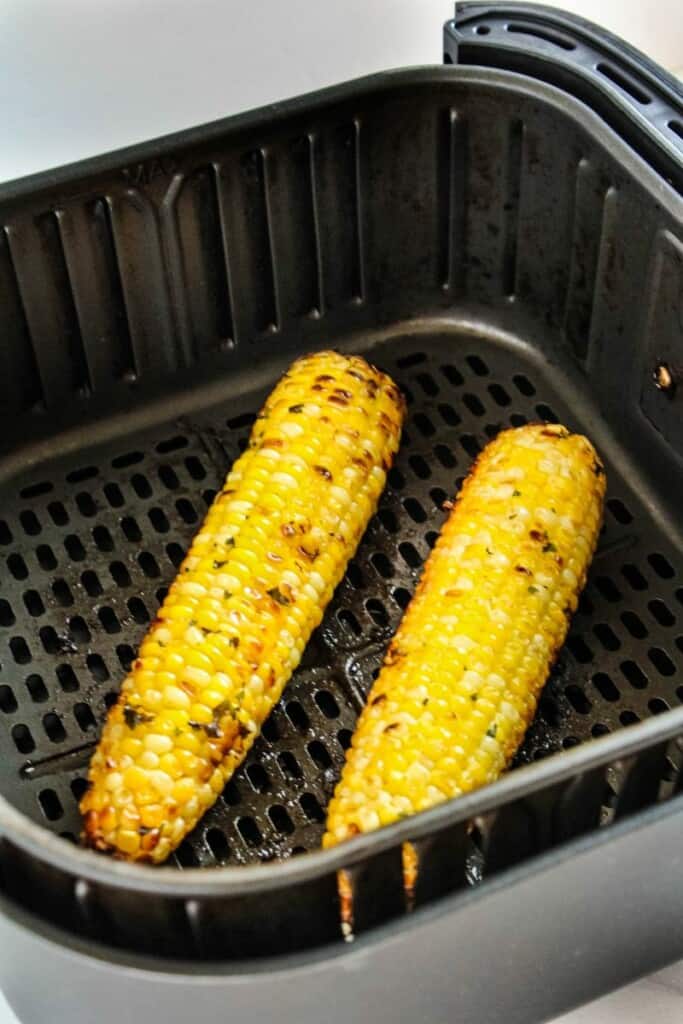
(501, 252)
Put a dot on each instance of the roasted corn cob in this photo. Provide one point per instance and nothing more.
(254, 585)
(461, 679)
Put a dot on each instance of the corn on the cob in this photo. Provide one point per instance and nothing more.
(252, 588)
(461, 679)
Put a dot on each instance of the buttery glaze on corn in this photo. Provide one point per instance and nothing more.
(461, 679)
(254, 585)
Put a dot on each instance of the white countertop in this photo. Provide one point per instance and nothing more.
(80, 78)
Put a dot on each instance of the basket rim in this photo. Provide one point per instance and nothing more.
(242, 880)
(273, 114)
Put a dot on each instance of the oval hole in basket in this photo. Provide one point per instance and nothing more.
(51, 804)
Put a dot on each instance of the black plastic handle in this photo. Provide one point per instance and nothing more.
(640, 100)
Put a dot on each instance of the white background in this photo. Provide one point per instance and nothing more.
(79, 77)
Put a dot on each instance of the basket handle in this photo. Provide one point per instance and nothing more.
(642, 101)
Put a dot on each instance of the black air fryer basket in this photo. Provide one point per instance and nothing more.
(509, 252)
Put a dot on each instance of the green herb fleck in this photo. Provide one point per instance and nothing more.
(491, 731)
(489, 551)
(516, 493)
(513, 515)
(532, 589)
(474, 697)
(278, 596)
(549, 547)
(227, 594)
(218, 564)
(230, 542)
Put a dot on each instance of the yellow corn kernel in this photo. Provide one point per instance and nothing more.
(158, 743)
(259, 573)
(129, 842)
(152, 816)
(149, 761)
(175, 698)
(183, 790)
(201, 714)
(134, 779)
(131, 746)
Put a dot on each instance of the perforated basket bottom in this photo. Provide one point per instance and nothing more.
(89, 546)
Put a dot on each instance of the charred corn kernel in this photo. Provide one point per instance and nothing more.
(252, 588)
(461, 679)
